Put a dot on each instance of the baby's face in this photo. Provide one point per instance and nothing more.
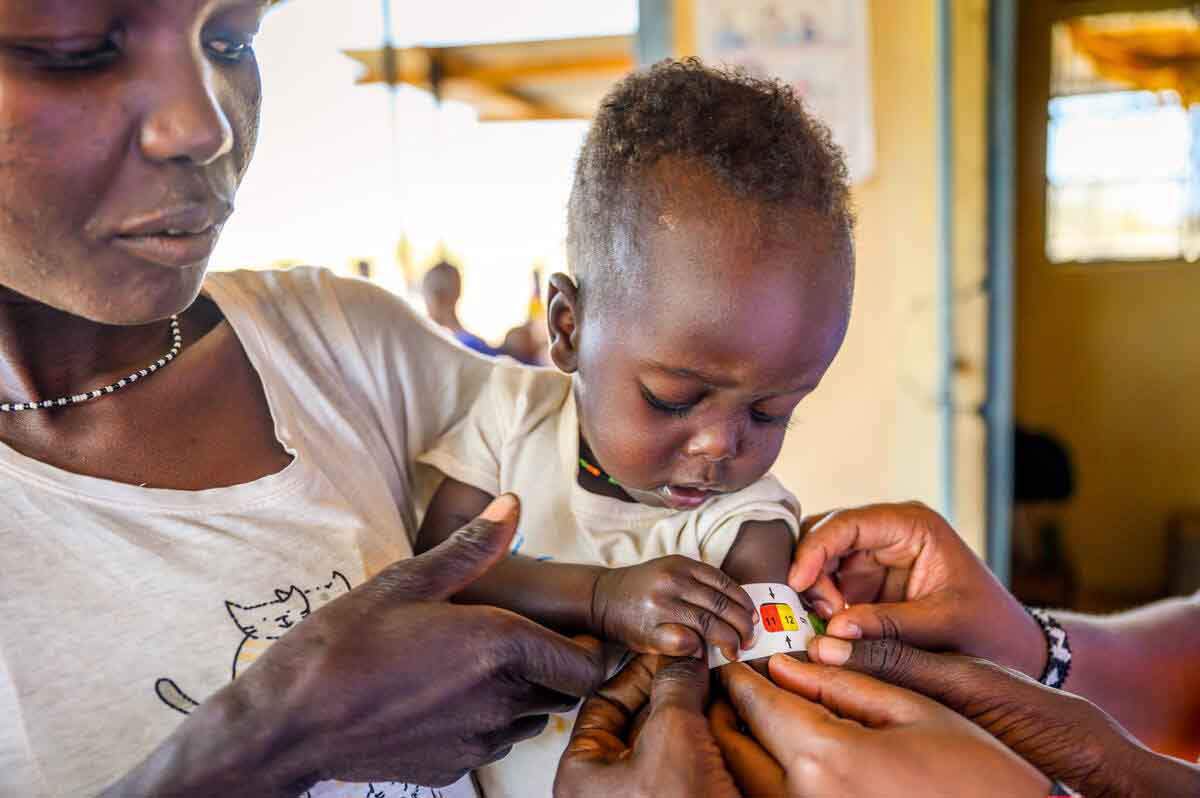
(686, 389)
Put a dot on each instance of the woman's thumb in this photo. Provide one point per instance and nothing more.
(469, 553)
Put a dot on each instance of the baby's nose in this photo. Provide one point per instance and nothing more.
(714, 443)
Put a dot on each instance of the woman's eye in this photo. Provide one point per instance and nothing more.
(677, 409)
(229, 49)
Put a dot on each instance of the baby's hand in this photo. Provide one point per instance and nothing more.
(674, 606)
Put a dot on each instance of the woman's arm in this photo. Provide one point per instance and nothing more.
(1143, 668)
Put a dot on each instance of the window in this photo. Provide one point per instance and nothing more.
(1121, 145)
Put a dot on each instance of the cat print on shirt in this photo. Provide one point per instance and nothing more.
(263, 623)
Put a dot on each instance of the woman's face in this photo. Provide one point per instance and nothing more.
(125, 129)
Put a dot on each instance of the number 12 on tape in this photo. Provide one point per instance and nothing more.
(781, 624)
(778, 618)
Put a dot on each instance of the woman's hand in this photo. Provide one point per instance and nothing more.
(389, 682)
(823, 731)
(1064, 736)
(906, 573)
(644, 734)
(674, 606)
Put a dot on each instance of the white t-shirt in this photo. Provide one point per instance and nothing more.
(120, 605)
(522, 436)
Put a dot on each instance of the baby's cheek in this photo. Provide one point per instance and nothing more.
(640, 455)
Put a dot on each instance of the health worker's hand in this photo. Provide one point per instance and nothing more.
(906, 573)
(1064, 736)
(674, 754)
(673, 606)
(824, 731)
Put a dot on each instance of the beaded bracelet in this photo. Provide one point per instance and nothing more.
(1058, 661)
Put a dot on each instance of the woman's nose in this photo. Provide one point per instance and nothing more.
(186, 123)
(715, 442)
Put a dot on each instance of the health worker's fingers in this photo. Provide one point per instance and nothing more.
(677, 639)
(886, 530)
(926, 622)
(847, 694)
(604, 719)
(680, 687)
(956, 681)
(787, 725)
(825, 596)
(756, 772)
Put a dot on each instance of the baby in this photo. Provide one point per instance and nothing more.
(711, 276)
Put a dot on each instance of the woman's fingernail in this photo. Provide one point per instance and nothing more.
(832, 651)
(500, 508)
(846, 630)
(823, 608)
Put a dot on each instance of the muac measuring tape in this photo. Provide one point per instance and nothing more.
(782, 624)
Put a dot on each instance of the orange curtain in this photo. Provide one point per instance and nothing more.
(1155, 59)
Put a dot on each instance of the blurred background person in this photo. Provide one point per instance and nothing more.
(442, 288)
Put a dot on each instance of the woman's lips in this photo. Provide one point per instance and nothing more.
(174, 250)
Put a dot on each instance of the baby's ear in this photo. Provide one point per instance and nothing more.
(562, 317)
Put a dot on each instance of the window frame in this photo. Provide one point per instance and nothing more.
(1035, 24)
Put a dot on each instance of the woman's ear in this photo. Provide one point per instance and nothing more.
(562, 317)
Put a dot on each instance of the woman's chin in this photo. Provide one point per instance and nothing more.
(130, 297)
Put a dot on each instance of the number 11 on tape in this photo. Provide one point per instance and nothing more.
(781, 624)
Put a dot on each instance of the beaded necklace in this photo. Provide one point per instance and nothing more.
(597, 472)
(80, 398)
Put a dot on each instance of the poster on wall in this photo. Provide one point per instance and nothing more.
(821, 47)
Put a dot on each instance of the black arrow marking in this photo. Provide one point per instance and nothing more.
(772, 592)
(789, 640)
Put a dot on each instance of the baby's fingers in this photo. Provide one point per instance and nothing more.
(714, 592)
(714, 628)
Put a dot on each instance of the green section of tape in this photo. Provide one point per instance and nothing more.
(818, 625)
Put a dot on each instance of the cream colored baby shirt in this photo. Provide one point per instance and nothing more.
(121, 606)
(522, 436)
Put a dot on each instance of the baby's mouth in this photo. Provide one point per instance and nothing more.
(686, 497)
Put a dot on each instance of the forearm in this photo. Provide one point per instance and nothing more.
(557, 595)
(1156, 775)
(225, 747)
(1143, 668)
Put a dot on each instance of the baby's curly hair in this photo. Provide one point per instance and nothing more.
(753, 134)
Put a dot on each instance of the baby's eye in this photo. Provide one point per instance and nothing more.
(766, 419)
(677, 409)
(73, 56)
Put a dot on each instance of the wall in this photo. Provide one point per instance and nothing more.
(872, 431)
(1108, 360)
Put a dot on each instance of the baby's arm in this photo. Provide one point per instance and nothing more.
(762, 552)
(553, 594)
(671, 605)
